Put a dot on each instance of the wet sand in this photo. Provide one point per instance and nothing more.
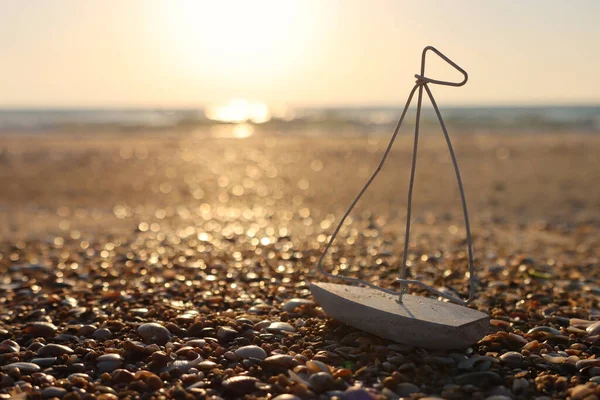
(212, 238)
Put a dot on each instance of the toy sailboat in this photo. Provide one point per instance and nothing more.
(404, 318)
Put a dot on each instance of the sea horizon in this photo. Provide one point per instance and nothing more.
(541, 118)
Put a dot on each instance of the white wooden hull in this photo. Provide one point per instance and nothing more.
(418, 321)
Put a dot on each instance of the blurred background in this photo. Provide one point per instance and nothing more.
(112, 111)
(319, 67)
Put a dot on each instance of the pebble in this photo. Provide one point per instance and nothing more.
(102, 334)
(520, 385)
(512, 359)
(294, 303)
(153, 332)
(41, 329)
(184, 365)
(45, 361)
(286, 396)
(54, 350)
(122, 376)
(251, 352)
(554, 359)
(592, 362)
(486, 378)
(317, 366)
(241, 384)
(109, 362)
(280, 327)
(87, 330)
(593, 329)
(546, 329)
(406, 389)
(226, 334)
(10, 346)
(280, 360)
(320, 382)
(354, 393)
(53, 391)
(581, 392)
(207, 365)
(26, 367)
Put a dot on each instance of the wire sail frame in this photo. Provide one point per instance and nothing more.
(422, 84)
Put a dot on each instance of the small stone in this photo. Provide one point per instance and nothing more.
(195, 330)
(251, 352)
(41, 329)
(259, 326)
(102, 334)
(287, 396)
(26, 367)
(581, 392)
(320, 382)
(406, 389)
(54, 350)
(512, 359)
(591, 362)
(152, 332)
(294, 303)
(241, 384)
(554, 358)
(122, 376)
(280, 360)
(354, 393)
(87, 330)
(593, 329)
(280, 327)
(486, 378)
(226, 334)
(207, 365)
(44, 361)
(547, 329)
(152, 380)
(317, 366)
(53, 391)
(10, 346)
(109, 362)
(140, 312)
(520, 385)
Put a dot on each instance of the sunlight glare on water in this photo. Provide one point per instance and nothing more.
(239, 110)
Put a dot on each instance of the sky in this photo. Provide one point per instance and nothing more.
(188, 53)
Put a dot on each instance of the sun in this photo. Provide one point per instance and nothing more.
(230, 36)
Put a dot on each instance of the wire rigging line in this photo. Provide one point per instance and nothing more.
(422, 84)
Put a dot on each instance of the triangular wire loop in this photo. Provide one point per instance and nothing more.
(422, 77)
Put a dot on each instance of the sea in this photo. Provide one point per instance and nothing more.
(539, 119)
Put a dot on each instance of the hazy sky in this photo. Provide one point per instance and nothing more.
(307, 52)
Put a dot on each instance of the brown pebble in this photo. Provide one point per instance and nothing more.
(54, 350)
(41, 329)
(87, 330)
(122, 376)
(226, 334)
(241, 384)
(195, 330)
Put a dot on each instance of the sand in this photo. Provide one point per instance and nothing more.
(211, 237)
